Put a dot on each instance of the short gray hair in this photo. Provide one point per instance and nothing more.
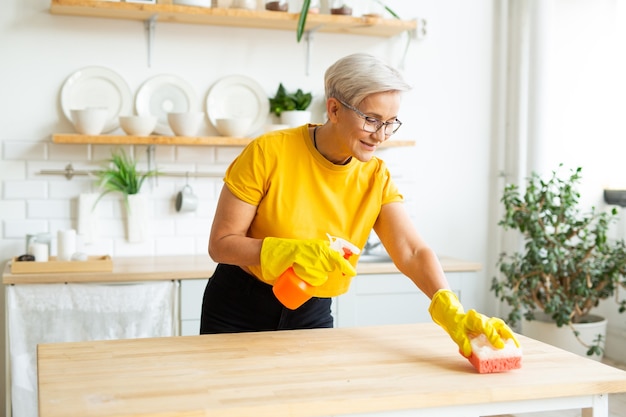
(354, 77)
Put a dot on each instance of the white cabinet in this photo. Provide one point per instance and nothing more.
(380, 299)
(191, 293)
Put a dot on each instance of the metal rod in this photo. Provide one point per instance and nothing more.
(150, 25)
(308, 36)
(150, 153)
(69, 172)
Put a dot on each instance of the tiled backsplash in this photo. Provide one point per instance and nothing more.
(33, 203)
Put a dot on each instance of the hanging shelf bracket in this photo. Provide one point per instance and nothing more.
(151, 163)
(150, 25)
(308, 37)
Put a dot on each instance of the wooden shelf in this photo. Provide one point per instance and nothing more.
(369, 26)
(175, 140)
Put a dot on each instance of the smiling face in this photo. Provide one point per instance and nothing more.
(350, 140)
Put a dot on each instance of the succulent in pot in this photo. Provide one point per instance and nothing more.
(568, 264)
(291, 107)
(284, 101)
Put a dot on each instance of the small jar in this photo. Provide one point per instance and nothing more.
(314, 7)
(374, 9)
(295, 6)
(244, 4)
(341, 7)
(277, 5)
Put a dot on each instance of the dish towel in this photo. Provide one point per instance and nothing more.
(88, 225)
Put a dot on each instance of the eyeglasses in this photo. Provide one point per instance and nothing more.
(372, 124)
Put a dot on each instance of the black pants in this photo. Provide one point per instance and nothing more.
(235, 301)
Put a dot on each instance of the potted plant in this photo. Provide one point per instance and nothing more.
(121, 175)
(291, 107)
(568, 264)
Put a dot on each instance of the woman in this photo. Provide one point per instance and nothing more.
(288, 190)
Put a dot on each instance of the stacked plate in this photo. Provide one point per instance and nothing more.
(97, 87)
(238, 97)
(163, 94)
(233, 97)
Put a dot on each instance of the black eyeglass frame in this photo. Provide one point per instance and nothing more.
(372, 121)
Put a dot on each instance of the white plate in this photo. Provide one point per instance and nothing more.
(238, 96)
(163, 94)
(97, 87)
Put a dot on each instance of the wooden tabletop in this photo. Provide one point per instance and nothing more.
(298, 373)
(148, 268)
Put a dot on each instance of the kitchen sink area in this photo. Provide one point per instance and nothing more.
(374, 258)
(374, 251)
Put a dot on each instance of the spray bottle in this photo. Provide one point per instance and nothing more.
(292, 291)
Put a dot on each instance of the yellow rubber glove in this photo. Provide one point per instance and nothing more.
(447, 311)
(312, 259)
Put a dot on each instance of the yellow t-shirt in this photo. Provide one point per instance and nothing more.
(299, 194)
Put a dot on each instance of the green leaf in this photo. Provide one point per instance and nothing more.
(121, 175)
(304, 12)
(285, 101)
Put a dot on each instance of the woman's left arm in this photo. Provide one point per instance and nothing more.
(410, 253)
(417, 261)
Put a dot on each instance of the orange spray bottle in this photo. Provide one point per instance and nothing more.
(292, 291)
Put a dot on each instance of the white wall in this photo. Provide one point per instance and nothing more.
(445, 177)
(580, 121)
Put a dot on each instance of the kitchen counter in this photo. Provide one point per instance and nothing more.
(150, 268)
(306, 373)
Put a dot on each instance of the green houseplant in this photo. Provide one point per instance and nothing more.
(121, 175)
(284, 101)
(568, 264)
(291, 108)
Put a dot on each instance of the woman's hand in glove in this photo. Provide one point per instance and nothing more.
(447, 311)
(312, 259)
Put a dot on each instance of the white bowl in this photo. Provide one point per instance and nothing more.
(235, 127)
(89, 121)
(198, 3)
(185, 123)
(138, 125)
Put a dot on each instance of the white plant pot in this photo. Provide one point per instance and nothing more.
(295, 118)
(545, 330)
(136, 221)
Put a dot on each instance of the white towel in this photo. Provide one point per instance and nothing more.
(88, 225)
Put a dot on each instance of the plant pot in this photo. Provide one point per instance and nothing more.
(136, 221)
(545, 330)
(295, 118)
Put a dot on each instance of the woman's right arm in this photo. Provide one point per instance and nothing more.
(228, 241)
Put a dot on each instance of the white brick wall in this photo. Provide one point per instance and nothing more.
(34, 203)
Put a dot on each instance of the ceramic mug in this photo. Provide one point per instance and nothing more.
(186, 200)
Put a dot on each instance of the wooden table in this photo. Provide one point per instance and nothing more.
(386, 369)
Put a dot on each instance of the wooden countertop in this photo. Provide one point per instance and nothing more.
(301, 373)
(147, 268)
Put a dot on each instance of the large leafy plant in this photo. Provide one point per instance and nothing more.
(284, 101)
(568, 264)
(121, 175)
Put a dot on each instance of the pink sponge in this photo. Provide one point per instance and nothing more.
(487, 359)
